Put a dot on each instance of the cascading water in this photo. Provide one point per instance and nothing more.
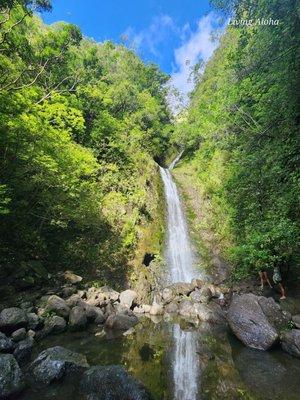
(180, 259)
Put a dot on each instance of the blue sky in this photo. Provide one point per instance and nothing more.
(172, 33)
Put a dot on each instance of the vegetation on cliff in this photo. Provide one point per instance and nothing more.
(242, 136)
(80, 125)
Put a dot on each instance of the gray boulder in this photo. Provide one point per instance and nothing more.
(112, 383)
(6, 344)
(77, 319)
(290, 342)
(11, 378)
(248, 321)
(167, 295)
(296, 320)
(55, 363)
(55, 324)
(19, 334)
(121, 322)
(187, 309)
(35, 321)
(94, 314)
(12, 318)
(156, 309)
(171, 308)
(58, 306)
(196, 296)
(23, 350)
(127, 298)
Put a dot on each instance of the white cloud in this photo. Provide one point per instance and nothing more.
(198, 45)
(149, 38)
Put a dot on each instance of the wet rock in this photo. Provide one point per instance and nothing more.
(168, 295)
(171, 308)
(143, 309)
(23, 350)
(112, 383)
(187, 309)
(197, 283)
(12, 319)
(58, 306)
(94, 314)
(77, 319)
(182, 288)
(156, 309)
(249, 323)
(127, 298)
(277, 318)
(31, 333)
(55, 324)
(6, 344)
(54, 363)
(121, 322)
(211, 313)
(101, 296)
(75, 300)
(72, 278)
(205, 295)
(196, 296)
(68, 291)
(290, 342)
(296, 320)
(11, 378)
(19, 334)
(35, 321)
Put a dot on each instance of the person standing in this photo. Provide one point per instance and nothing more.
(264, 278)
(278, 281)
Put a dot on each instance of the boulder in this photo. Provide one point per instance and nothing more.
(121, 321)
(278, 318)
(12, 319)
(35, 321)
(167, 295)
(142, 309)
(19, 334)
(290, 342)
(156, 309)
(111, 383)
(196, 296)
(55, 363)
(77, 319)
(68, 291)
(182, 288)
(171, 308)
(211, 313)
(187, 309)
(58, 306)
(205, 294)
(248, 322)
(23, 350)
(75, 300)
(101, 296)
(11, 378)
(94, 314)
(55, 324)
(197, 283)
(72, 278)
(296, 320)
(127, 298)
(6, 344)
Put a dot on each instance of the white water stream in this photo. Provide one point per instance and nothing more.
(180, 260)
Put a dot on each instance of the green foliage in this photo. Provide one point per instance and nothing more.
(241, 134)
(80, 123)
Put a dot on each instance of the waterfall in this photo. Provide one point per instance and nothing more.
(179, 253)
(180, 260)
